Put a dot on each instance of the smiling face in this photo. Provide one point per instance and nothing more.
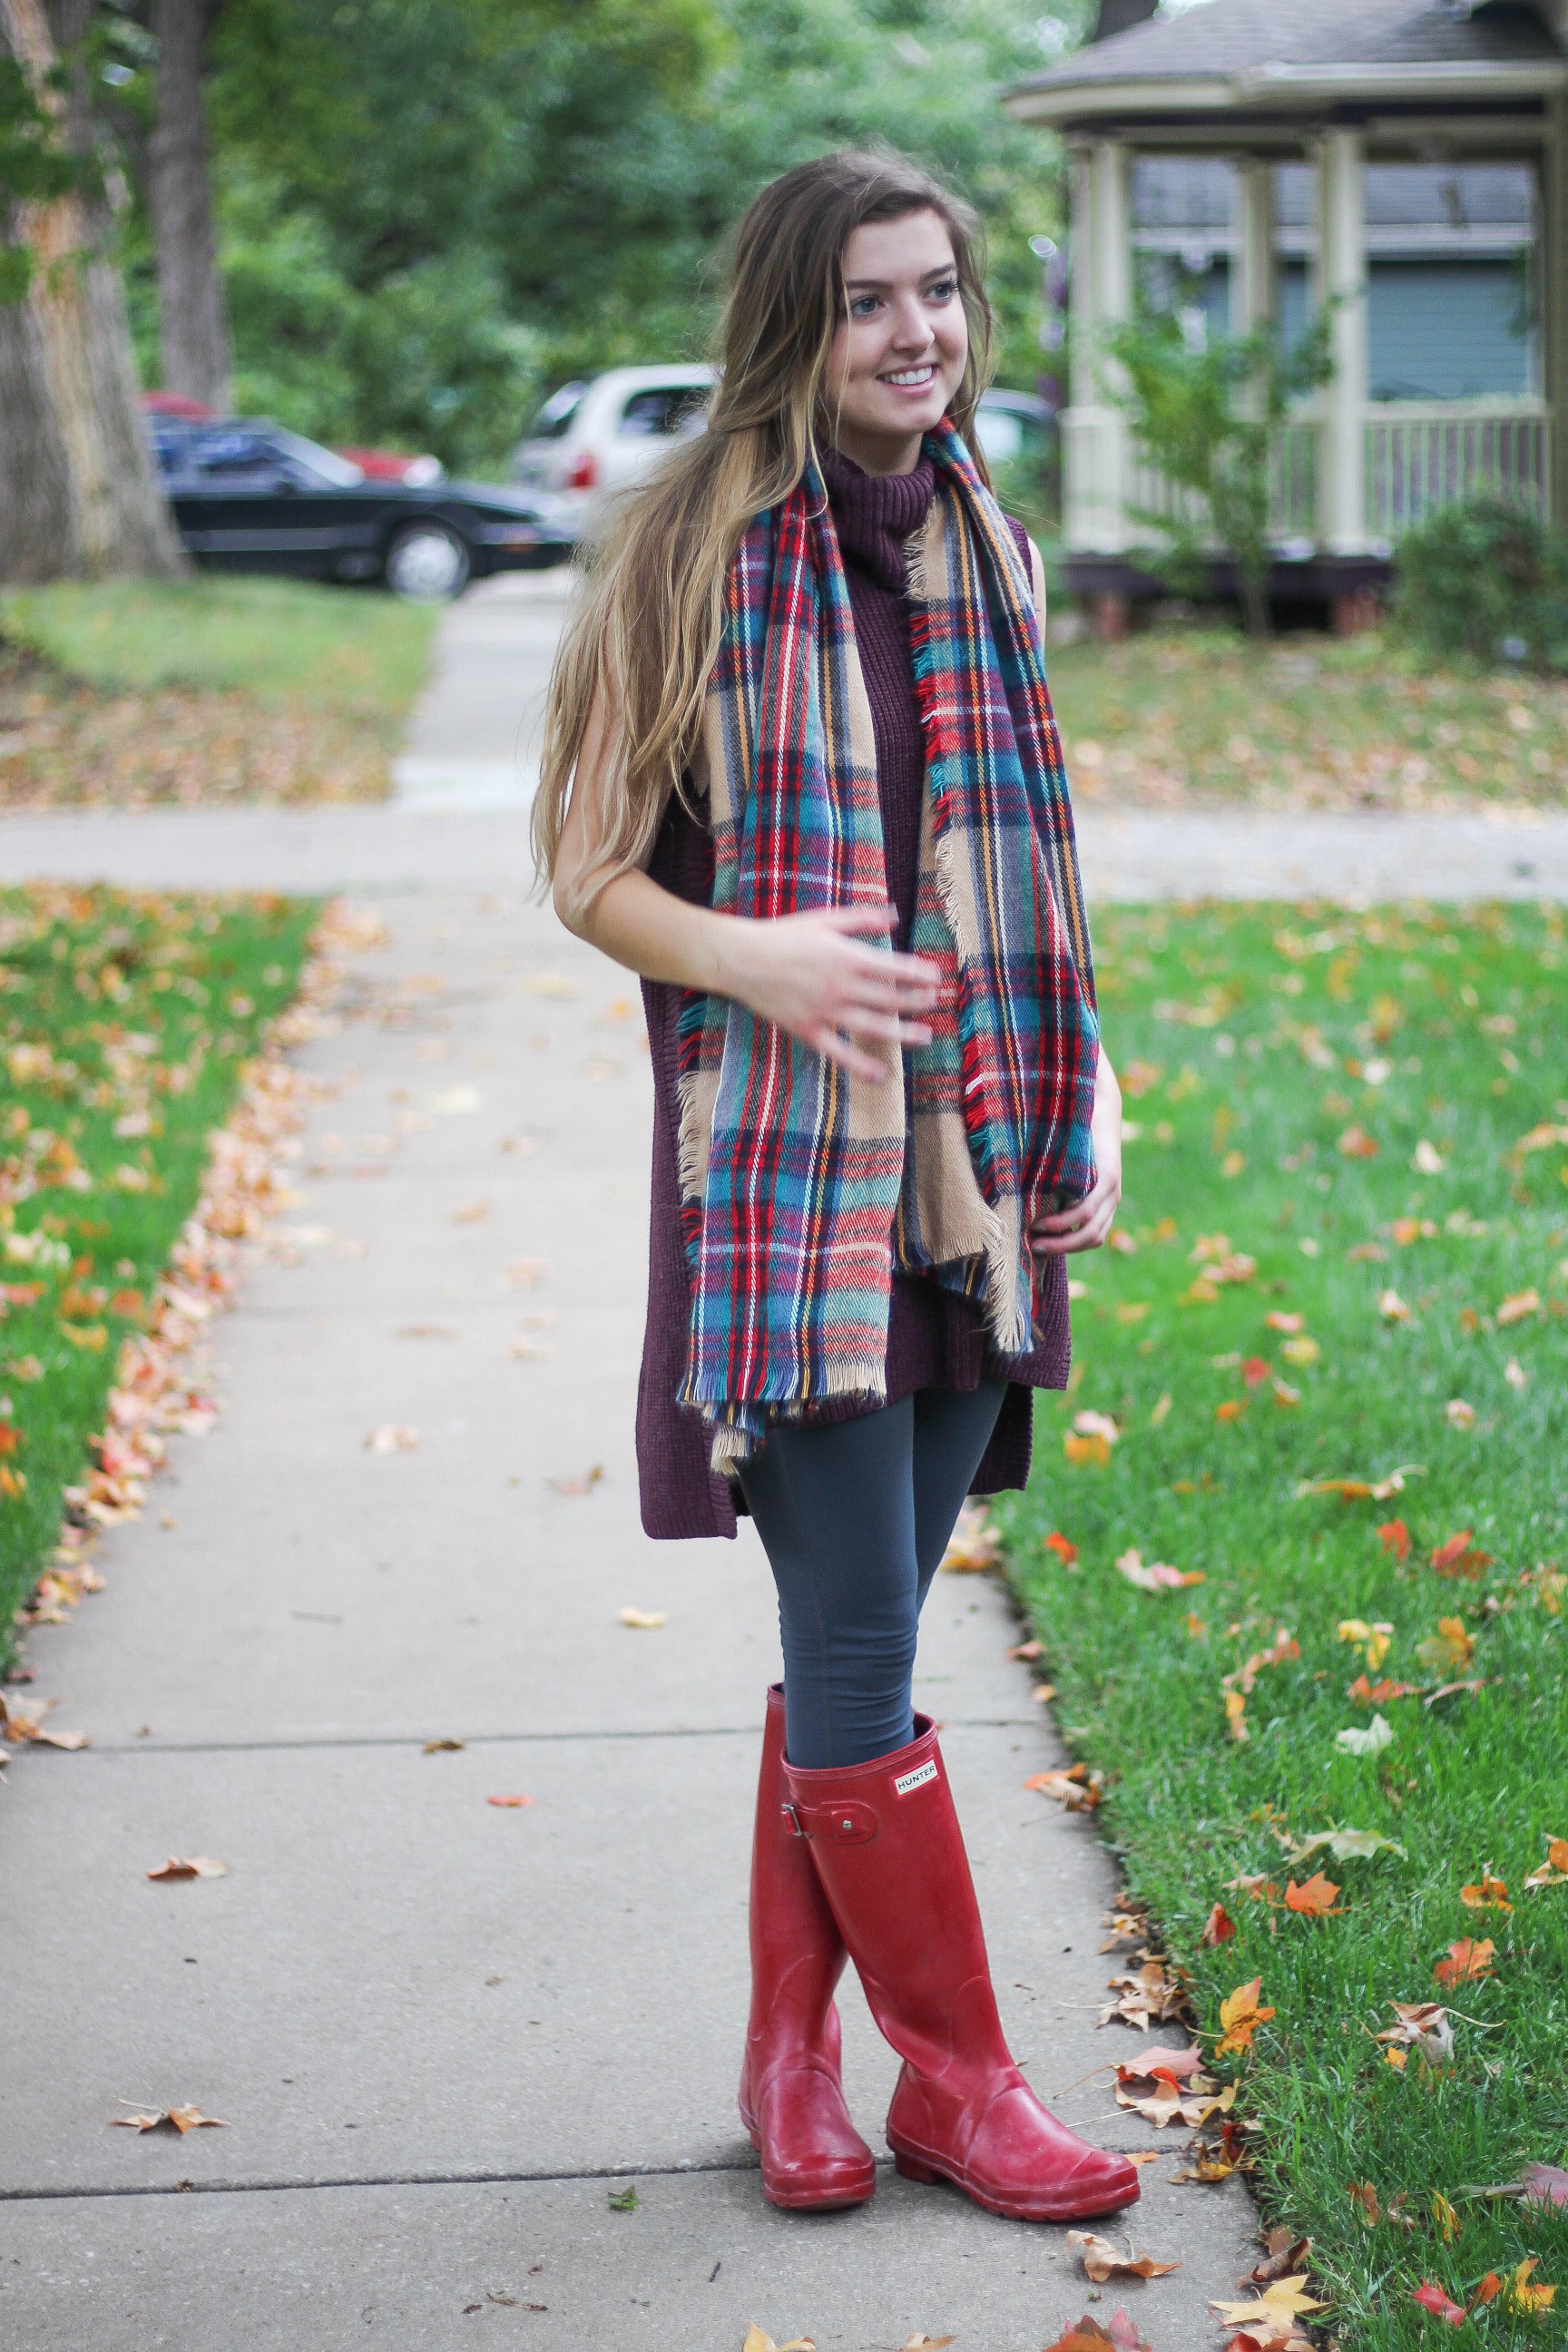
(898, 355)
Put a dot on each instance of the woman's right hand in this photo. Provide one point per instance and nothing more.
(812, 975)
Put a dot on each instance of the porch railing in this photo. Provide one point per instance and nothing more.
(1419, 454)
(1426, 453)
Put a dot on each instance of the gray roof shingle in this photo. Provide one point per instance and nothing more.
(1229, 37)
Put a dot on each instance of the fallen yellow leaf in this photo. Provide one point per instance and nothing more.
(1524, 2297)
(1288, 2295)
(1240, 2017)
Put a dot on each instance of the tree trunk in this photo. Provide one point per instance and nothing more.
(37, 522)
(196, 329)
(69, 354)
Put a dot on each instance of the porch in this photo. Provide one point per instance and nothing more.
(1420, 199)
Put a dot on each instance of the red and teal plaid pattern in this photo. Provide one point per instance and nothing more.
(801, 1185)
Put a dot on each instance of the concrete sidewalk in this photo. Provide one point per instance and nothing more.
(1132, 855)
(441, 2032)
(475, 740)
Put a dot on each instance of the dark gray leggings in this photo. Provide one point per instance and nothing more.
(855, 1518)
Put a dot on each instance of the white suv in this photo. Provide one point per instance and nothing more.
(603, 434)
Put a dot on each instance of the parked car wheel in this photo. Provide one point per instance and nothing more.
(427, 562)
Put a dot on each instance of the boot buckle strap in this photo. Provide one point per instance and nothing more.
(847, 1823)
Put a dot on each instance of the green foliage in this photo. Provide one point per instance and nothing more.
(1208, 420)
(431, 210)
(34, 167)
(88, 1216)
(1269, 1033)
(329, 648)
(1482, 581)
(427, 359)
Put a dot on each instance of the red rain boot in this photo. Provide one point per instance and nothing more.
(792, 2102)
(888, 1851)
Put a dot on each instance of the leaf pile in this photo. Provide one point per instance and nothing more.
(144, 1109)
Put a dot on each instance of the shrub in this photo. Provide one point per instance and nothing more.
(1208, 420)
(1483, 580)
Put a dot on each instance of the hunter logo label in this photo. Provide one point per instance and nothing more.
(917, 1779)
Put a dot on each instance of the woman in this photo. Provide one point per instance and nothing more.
(801, 774)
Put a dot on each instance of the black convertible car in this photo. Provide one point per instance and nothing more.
(252, 497)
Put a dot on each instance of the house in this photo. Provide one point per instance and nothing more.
(1246, 160)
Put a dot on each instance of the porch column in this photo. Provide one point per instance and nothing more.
(1553, 282)
(1252, 295)
(1341, 216)
(1080, 286)
(1094, 429)
(1110, 171)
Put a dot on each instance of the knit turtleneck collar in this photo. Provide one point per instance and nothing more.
(877, 514)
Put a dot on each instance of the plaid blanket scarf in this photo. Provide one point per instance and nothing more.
(804, 1188)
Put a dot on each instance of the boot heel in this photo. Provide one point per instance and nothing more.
(909, 2167)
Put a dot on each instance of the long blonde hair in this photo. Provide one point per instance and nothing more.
(643, 644)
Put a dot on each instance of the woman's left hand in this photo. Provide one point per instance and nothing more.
(1084, 1224)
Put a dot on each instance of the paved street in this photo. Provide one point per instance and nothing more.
(443, 2032)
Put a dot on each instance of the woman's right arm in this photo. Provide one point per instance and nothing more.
(809, 973)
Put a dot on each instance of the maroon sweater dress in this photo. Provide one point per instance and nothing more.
(935, 1339)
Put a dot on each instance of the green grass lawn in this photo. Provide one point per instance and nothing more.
(138, 691)
(336, 649)
(125, 1021)
(1306, 720)
(1347, 1190)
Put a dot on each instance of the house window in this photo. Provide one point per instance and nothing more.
(1184, 239)
(1450, 281)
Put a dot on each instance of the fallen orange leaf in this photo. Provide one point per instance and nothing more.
(1101, 2260)
(1086, 2335)
(175, 2119)
(1394, 1536)
(1219, 1926)
(1553, 1871)
(1458, 1556)
(1078, 1789)
(1315, 1898)
(1065, 1551)
(1466, 1959)
(511, 1801)
(1488, 1894)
